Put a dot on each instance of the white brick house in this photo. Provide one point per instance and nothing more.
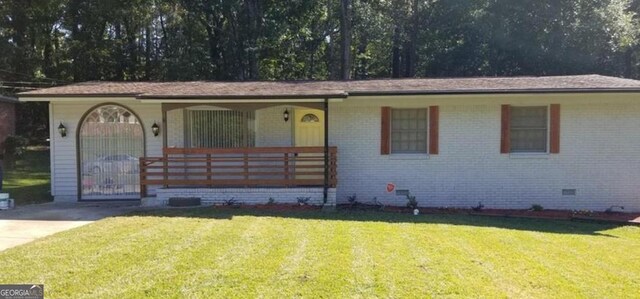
(569, 142)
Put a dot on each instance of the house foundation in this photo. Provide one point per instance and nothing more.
(249, 196)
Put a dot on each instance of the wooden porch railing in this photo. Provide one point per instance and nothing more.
(238, 167)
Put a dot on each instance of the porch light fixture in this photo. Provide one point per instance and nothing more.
(62, 130)
(155, 129)
(285, 115)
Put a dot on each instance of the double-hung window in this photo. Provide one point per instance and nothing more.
(529, 128)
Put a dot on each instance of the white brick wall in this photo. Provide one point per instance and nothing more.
(315, 196)
(599, 155)
(599, 151)
(271, 129)
(175, 128)
(64, 178)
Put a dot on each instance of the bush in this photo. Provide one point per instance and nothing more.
(412, 202)
(537, 207)
(303, 201)
(478, 208)
(13, 149)
(353, 200)
(15, 145)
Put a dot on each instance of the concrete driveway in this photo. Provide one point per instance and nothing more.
(27, 223)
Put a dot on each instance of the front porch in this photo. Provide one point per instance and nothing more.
(243, 152)
(249, 175)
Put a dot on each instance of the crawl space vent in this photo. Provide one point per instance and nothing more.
(402, 192)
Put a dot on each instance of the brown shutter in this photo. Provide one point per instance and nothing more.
(434, 129)
(385, 133)
(554, 129)
(505, 138)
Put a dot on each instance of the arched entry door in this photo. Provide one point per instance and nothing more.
(111, 141)
(309, 131)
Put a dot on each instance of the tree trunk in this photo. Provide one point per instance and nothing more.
(345, 31)
(330, 53)
(410, 49)
(253, 18)
(47, 62)
(395, 59)
(19, 24)
(362, 64)
(147, 54)
(132, 48)
(120, 63)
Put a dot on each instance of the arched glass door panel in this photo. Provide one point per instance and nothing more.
(111, 141)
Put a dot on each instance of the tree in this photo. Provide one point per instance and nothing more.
(345, 32)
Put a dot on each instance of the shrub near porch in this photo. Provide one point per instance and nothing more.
(235, 252)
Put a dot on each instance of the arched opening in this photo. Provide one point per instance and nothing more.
(110, 143)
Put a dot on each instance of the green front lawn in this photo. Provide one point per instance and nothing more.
(29, 182)
(221, 253)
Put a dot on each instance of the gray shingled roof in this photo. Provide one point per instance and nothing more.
(302, 89)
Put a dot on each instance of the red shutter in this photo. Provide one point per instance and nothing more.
(505, 138)
(385, 133)
(434, 129)
(554, 129)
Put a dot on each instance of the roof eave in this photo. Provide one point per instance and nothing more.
(46, 97)
(10, 100)
(493, 91)
(242, 97)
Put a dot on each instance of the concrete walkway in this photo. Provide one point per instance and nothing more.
(27, 223)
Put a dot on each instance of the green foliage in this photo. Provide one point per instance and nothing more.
(230, 202)
(29, 181)
(303, 201)
(57, 41)
(14, 146)
(412, 202)
(478, 208)
(537, 207)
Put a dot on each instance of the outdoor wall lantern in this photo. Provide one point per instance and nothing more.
(62, 130)
(285, 115)
(155, 129)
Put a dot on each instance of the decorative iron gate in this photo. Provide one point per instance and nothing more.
(111, 141)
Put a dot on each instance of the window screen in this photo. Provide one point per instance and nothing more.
(529, 127)
(409, 130)
(219, 128)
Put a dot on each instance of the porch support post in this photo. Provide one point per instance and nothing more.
(326, 150)
(165, 165)
(164, 126)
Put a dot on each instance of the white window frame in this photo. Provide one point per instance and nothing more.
(548, 143)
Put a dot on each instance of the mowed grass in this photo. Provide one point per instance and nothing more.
(29, 182)
(224, 253)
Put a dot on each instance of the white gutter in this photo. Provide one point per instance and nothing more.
(152, 101)
(74, 99)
